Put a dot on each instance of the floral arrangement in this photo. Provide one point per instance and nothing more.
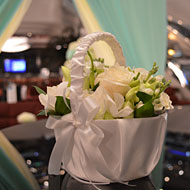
(121, 92)
(93, 97)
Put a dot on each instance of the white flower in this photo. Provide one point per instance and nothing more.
(100, 96)
(49, 100)
(107, 104)
(115, 79)
(164, 102)
(114, 107)
(146, 90)
(140, 104)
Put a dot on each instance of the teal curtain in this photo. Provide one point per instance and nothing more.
(10, 177)
(139, 25)
(7, 11)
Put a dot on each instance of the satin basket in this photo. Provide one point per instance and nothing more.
(103, 151)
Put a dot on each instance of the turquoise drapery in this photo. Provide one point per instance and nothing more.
(11, 14)
(7, 11)
(139, 25)
(10, 177)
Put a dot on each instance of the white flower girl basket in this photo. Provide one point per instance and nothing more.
(103, 151)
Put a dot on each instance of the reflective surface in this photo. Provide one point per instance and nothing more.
(68, 183)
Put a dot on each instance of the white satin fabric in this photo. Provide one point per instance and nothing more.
(103, 151)
(107, 150)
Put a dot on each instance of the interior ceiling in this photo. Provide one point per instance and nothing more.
(179, 10)
(52, 17)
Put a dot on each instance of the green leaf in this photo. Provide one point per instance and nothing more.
(51, 112)
(60, 106)
(39, 90)
(96, 86)
(86, 83)
(41, 113)
(66, 74)
(147, 110)
(108, 116)
(144, 97)
(91, 79)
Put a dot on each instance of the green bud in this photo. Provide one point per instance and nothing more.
(131, 93)
(108, 115)
(164, 80)
(152, 80)
(91, 80)
(98, 71)
(86, 84)
(129, 104)
(134, 83)
(66, 74)
(153, 86)
(157, 101)
(137, 76)
(136, 99)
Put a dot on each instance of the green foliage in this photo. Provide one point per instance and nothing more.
(151, 72)
(41, 113)
(96, 86)
(39, 90)
(147, 110)
(144, 97)
(66, 74)
(61, 107)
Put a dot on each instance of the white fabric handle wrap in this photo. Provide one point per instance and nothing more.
(78, 62)
(103, 151)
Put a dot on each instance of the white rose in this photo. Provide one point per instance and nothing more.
(99, 97)
(48, 100)
(115, 79)
(140, 104)
(113, 106)
(165, 102)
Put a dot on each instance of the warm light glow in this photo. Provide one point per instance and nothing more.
(171, 52)
(181, 172)
(171, 36)
(166, 179)
(29, 162)
(178, 72)
(180, 22)
(175, 31)
(170, 18)
(16, 44)
(46, 183)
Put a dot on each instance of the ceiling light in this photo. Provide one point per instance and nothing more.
(16, 44)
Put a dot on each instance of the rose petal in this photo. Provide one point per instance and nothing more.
(125, 112)
(43, 99)
(119, 100)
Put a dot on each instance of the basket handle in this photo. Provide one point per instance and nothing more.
(78, 62)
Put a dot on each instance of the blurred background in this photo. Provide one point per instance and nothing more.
(34, 55)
